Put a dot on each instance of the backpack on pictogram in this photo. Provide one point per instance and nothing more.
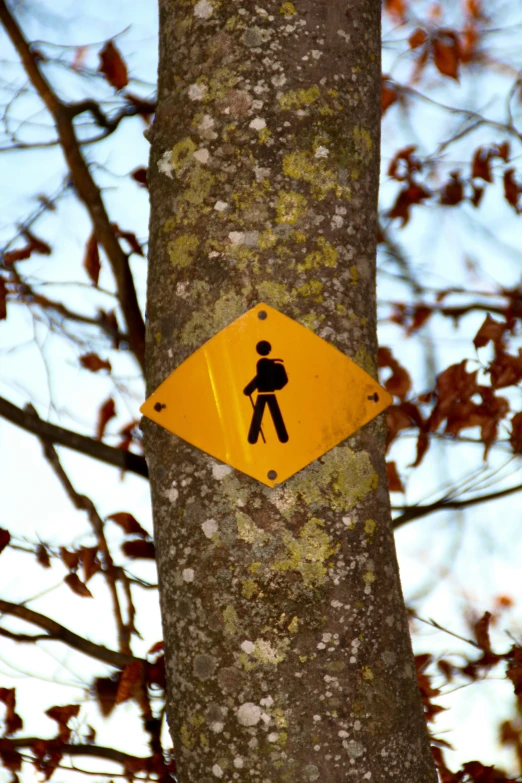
(280, 378)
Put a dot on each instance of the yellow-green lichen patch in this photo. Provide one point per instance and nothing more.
(369, 528)
(354, 272)
(364, 360)
(307, 554)
(181, 250)
(207, 321)
(296, 99)
(274, 294)
(270, 652)
(249, 588)
(303, 166)
(287, 9)
(264, 135)
(311, 321)
(187, 738)
(311, 290)
(363, 144)
(248, 531)
(369, 578)
(231, 620)
(290, 207)
(293, 625)
(267, 239)
(181, 154)
(324, 255)
(341, 480)
(367, 673)
(199, 185)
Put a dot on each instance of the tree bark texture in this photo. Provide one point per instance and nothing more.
(288, 654)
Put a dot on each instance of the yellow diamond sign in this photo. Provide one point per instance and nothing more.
(266, 396)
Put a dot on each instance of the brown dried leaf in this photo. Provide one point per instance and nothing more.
(413, 194)
(11, 758)
(511, 189)
(113, 67)
(70, 559)
(13, 721)
(490, 330)
(139, 549)
(42, 556)
(5, 537)
(156, 647)
(77, 586)
(423, 443)
(446, 53)
(516, 433)
(91, 259)
(129, 524)
(90, 563)
(396, 8)
(482, 632)
(399, 383)
(3, 299)
(452, 192)
(62, 715)
(394, 480)
(140, 176)
(417, 38)
(481, 166)
(129, 237)
(505, 369)
(130, 682)
(92, 362)
(388, 93)
(105, 414)
(106, 689)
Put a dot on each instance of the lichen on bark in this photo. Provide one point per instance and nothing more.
(288, 656)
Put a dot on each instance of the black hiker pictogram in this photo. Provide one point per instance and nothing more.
(271, 377)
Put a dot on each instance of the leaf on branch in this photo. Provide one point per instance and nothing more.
(5, 537)
(3, 299)
(91, 259)
(130, 682)
(129, 524)
(92, 362)
(70, 559)
(156, 647)
(389, 93)
(144, 107)
(394, 480)
(481, 165)
(413, 194)
(77, 586)
(404, 164)
(396, 8)
(399, 383)
(11, 758)
(140, 176)
(13, 722)
(110, 323)
(106, 689)
(62, 716)
(127, 435)
(42, 556)
(129, 237)
(139, 549)
(113, 67)
(505, 369)
(512, 189)
(482, 632)
(423, 443)
(47, 755)
(516, 433)
(105, 414)
(34, 245)
(156, 673)
(490, 330)
(417, 38)
(446, 53)
(452, 192)
(478, 192)
(90, 563)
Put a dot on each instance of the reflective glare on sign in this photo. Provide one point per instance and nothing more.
(266, 396)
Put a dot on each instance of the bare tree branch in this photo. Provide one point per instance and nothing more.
(57, 632)
(96, 751)
(31, 422)
(85, 186)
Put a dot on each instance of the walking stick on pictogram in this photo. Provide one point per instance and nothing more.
(253, 408)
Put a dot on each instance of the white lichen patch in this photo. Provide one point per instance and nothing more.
(266, 652)
(321, 152)
(203, 9)
(257, 124)
(165, 164)
(219, 472)
(209, 527)
(249, 714)
(172, 494)
(188, 574)
(196, 92)
(248, 647)
(220, 206)
(202, 155)
(238, 762)
(236, 238)
(217, 771)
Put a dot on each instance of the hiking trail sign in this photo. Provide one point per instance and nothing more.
(266, 396)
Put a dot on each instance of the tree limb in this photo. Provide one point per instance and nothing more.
(31, 422)
(96, 751)
(85, 186)
(416, 512)
(57, 632)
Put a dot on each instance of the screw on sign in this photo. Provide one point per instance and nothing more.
(305, 396)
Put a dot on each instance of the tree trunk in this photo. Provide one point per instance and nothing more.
(288, 654)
